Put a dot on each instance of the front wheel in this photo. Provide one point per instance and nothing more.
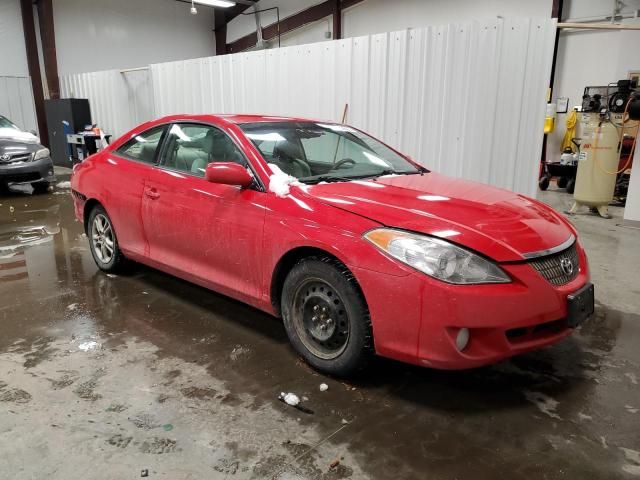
(543, 183)
(104, 243)
(326, 317)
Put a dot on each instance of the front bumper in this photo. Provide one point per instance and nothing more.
(416, 318)
(27, 172)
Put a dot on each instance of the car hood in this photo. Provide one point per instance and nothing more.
(18, 135)
(16, 147)
(495, 222)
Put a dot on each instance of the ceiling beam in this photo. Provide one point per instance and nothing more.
(293, 22)
(222, 18)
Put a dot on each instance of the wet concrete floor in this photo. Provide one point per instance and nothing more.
(113, 377)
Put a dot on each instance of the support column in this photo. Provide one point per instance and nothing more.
(31, 45)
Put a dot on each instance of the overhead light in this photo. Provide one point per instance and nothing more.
(216, 3)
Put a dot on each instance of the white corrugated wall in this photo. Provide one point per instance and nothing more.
(16, 102)
(464, 99)
(119, 101)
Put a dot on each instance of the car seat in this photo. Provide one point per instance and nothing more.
(288, 156)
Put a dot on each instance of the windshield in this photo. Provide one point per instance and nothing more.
(314, 152)
(6, 123)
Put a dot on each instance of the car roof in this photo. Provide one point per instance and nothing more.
(236, 118)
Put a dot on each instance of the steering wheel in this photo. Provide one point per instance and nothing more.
(342, 162)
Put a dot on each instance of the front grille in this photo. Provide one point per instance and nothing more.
(16, 157)
(535, 332)
(24, 177)
(559, 268)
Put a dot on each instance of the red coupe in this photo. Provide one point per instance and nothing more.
(359, 249)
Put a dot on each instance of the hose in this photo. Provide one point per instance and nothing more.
(570, 122)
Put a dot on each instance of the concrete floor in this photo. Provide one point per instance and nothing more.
(106, 377)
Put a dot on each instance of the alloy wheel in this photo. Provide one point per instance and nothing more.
(102, 238)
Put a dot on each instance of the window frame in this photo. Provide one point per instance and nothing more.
(154, 163)
(160, 160)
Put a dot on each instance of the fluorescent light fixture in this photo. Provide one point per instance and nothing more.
(216, 3)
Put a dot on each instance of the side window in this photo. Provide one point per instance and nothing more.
(191, 147)
(143, 147)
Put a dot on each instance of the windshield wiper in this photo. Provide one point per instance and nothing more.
(328, 179)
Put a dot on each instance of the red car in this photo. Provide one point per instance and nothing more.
(359, 249)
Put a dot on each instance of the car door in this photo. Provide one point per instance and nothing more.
(123, 175)
(203, 231)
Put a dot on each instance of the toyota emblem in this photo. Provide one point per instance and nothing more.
(5, 156)
(567, 266)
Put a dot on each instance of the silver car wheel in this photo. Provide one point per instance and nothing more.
(102, 238)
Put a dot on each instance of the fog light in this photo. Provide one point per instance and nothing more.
(462, 339)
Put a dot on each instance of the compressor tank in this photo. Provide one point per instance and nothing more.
(598, 160)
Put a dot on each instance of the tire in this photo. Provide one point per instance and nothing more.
(571, 185)
(562, 182)
(40, 187)
(103, 242)
(321, 292)
(543, 183)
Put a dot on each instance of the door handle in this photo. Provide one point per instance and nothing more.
(152, 193)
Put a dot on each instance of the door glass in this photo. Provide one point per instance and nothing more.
(191, 147)
(143, 146)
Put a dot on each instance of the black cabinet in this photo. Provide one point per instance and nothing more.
(77, 113)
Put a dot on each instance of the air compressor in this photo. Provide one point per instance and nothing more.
(600, 135)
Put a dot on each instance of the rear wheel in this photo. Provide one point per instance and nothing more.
(562, 182)
(543, 183)
(104, 243)
(326, 317)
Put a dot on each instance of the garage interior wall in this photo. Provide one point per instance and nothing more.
(595, 57)
(379, 16)
(465, 99)
(16, 97)
(117, 34)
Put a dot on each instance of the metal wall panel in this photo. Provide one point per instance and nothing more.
(119, 101)
(465, 99)
(16, 102)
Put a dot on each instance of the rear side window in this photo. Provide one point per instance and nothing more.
(143, 146)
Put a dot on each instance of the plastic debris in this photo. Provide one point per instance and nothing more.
(86, 346)
(293, 400)
(290, 398)
(280, 182)
(324, 387)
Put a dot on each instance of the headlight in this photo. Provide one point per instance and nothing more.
(42, 153)
(437, 258)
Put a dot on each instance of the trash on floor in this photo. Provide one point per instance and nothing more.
(324, 387)
(86, 346)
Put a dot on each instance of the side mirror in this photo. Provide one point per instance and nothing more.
(228, 173)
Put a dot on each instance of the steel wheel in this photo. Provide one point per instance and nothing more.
(102, 238)
(320, 319)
